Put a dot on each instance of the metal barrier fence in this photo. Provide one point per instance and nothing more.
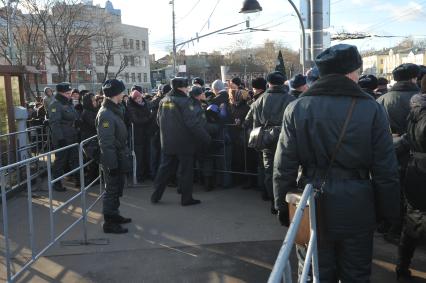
(282, 270)
(18, 146)
(132, 149)
(226, 142)
(54, 238)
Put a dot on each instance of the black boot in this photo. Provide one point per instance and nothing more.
(273, 210)
(117, 219)
(114, 228)
(402, 272)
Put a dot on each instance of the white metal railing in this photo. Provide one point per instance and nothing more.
(18, 146)
(54, 238)
(282, 270)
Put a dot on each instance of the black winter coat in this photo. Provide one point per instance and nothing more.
(221, 98)
(311, 127)
(270, 107)
(112, 135)
(397, 105)
(88, 126)
(140, 116)
(181, 125)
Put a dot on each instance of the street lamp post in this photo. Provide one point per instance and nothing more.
(252, 6)
(172, 2)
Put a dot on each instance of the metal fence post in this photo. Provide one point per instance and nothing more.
(30, 209)
(49, 186)
(313, 224)
(5, 225)
(83, 192)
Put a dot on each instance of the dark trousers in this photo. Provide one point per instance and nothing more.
(142, 159)
(268, 165)
(347, 260)
(64, 159)
(114, 186)
(185, 175)
(155, 154)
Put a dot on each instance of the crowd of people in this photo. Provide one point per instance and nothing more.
(361, 144)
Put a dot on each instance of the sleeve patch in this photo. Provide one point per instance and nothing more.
(105, 124)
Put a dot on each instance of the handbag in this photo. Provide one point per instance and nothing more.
(264, 137)
(303, 233)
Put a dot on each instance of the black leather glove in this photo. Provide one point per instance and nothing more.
(114, 172)
(284, 217)
(46, 122)
(62, 143)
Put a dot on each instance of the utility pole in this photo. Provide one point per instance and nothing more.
(174, 36)
(316, 28)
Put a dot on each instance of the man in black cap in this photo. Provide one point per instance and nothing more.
(298, 85)
(397, 100)
(382, 86)
(368, 83)
(62, 118)
(268, 111)
(115, 154)
(198, 82)
(340, 137)
(181, 132)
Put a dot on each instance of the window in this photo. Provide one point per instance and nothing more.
(145, 77)
(126, 60)
(138, 47)
(125, 43)
(111, 60)
(100, 77)
(52, 59)
(144, 61)
(139, 77)
(143, 45)
(133, 78)
(381, 61)
(132, 60)
(126, 77)
(131, 43)
(99, 59)
(55, 78)
(137, 61)
(111, 76)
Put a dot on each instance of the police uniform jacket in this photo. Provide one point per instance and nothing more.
(397, 105)
(311, 128)
(181, 124)
(269, 108)
(62, 118)
(112, 135)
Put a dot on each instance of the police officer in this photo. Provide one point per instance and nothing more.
(62, 118)
(397, 100)
(397, 105)
(350, 198)
(115, 154)
(181, 131)
(298, 84)
(268, 111)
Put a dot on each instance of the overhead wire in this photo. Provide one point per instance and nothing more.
(211, 14)
(190, 11)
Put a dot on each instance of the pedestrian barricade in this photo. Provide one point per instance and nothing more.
(282, 270)
(231, 140)
(54, 236)
(20, 146)
(132, 149)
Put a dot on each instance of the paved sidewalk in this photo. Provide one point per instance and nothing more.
(230, 237)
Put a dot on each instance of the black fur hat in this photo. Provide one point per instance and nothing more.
(298, 81)
(338, 59)
(276, 78)
(259, 83)
(368, 81)
(179, 82)
(113, 87)
(63, 87)
(405, 72)
(136, 87)
(198, 80)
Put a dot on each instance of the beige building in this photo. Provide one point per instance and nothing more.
(382, 63)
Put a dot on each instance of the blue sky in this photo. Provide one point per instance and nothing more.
(394, 17)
